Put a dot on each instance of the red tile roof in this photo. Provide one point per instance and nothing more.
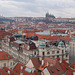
(26, 73)
(11, 71)
(17, 68)
(32, 31)
(73, 65)
(3, 72)
(69, 73)
(49, 37)
(66, 68)
(57, 30)
(56, 68)
(3, 34)
(5, 56)
(13, 31)
(36, 62)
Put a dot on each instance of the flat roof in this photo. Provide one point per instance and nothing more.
(19, 42)
(43, 33)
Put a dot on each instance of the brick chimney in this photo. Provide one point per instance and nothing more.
(42, 62)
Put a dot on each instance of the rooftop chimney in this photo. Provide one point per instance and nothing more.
(74, 73)
(21, 67)
(21, 73)
(42, 62)
(32, 71)
(60, 60)
(51, 64)
(8, 72)
(47, 63)
(40, 58)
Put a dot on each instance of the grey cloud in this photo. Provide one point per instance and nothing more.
(37, 7)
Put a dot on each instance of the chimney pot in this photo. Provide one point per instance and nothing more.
(21, 67)
(42, 62)
(51, 64)
(8, 72)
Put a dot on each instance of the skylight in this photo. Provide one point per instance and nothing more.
(3, 56)
(0, 50)
(52, 71)
(57, 69)
(28, 70)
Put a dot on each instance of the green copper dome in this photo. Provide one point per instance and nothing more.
(61, 44)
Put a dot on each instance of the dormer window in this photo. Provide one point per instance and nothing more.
(28, 47)
(48, 52)
(57, 69)
(34, 53)
(52, 71)
(43, 53)
(3, 56)
(66, 68)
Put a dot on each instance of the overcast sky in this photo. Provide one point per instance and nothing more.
(37, 8)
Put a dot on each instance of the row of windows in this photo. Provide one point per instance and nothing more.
(11, 64)
(59, 56)
(43, 53)
(72, 44)
(53, 52)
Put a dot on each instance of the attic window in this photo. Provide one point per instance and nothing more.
(8, 56)
(48, 52)
(28, 70)
(57, 69)
(66, 68)
(52, 71)
(3, 56)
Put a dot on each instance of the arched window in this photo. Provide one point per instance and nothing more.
(57, 51)
(34, 53)
(48, 52)
(43, 53)
(62, 51)
(58, 56)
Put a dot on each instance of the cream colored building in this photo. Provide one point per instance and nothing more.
(22, 57)
(72, 50)
(54, 52)
(6, 60)
(42, 50)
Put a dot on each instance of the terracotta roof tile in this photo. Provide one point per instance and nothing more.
(3, 72)
(11, 71)
(5, 56)
(26, 73)
(36, 62)
(17, 68)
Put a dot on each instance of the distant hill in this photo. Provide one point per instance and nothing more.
(6, 19)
